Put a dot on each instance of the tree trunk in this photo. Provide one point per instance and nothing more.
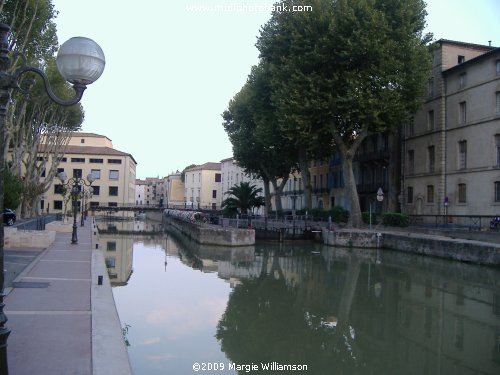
(394, 171)
(355, 220)
(267, 196)
(277, 195)
(306, 178)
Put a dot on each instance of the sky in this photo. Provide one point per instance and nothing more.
(172, 68)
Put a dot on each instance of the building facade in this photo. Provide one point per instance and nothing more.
(232, 174)
(113, 170)
(202, 186)
(174, 190)
(451, 158)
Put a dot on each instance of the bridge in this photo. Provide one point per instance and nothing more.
(126, 207)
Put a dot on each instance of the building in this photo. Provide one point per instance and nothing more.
(174, 190)
(202, 186)
(113, 170)
(140, 192)
(232, 174)
(451, 158)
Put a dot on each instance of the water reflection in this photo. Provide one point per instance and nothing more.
(335, 310)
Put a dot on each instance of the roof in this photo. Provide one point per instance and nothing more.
(465, 44)
(475, 60)
(227, 159)
(92, 150)
(93, 135)
(207, 166)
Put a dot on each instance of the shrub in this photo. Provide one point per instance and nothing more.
(339, 214)
(396, 219)
(366, 217)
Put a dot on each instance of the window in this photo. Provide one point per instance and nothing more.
(77, 173)
(497, 191)
(214, 193)
(461, 80)
(497, 106)
(430, 120)
(409, 194)
(64, 160)
(431, 158)
(462, 154)
(114, 161)
(461, 59)
(43, 173)
(82, 140)
(59, 189)
(462, 114)
(411, 126)
(94, 204)
(462, 193)
(430, 86)
(96, 161)
(430, 193)
(111, 246)
(113, 175)
(114, 204)
(497, 141)
(96, 190)
(217, 177)
(58, 205)
(96, 173)
(498, 67)
(113, 191)
(78, 160)
(411, 161)
(110, 262)
(59, 170)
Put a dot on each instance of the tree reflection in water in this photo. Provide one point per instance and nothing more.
(267, 320)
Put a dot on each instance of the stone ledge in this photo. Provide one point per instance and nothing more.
(15, 238)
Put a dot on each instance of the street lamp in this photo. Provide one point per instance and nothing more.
(77, 186)
(80, 61)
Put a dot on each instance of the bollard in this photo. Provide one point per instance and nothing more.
(99, 280)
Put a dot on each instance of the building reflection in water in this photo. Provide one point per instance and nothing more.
(346, 311)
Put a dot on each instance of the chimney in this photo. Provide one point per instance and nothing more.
(489, 43)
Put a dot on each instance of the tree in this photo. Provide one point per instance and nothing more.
(33, 119)
(13, 190)
(347, 69)
(259, 146)
(242, 198)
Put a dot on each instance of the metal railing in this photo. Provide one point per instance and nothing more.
(469, 222)
(36, 223)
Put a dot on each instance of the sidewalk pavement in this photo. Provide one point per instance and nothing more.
(61, 320)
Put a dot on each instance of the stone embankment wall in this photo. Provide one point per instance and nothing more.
(28, 238)
(417, 243)
(213, 235)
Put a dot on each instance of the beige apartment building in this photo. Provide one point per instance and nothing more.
(113, 170)
(451, 156)
(174, 190)
(202, 186)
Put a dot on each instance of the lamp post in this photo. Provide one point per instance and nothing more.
(80, 61)
(77, 186)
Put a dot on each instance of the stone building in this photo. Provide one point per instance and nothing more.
(451, 157)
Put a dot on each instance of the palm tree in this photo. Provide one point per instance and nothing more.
(242, 198)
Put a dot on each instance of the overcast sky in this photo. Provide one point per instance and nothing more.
(171, 71)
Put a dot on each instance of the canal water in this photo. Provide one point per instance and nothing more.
(298, 308)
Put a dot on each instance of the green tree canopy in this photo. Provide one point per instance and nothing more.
(345, 70)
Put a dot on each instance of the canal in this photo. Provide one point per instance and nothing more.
(298, 308)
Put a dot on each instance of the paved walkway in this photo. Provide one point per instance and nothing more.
(61, 321)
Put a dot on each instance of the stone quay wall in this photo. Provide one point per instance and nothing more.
(417, 243)
(212, 235)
